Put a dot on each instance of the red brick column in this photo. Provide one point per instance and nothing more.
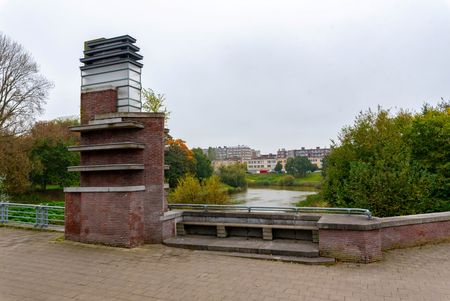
(120, 207)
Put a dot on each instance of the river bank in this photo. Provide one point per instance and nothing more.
(313, 180)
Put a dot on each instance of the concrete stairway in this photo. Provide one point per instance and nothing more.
(273, 236)
(279, 249)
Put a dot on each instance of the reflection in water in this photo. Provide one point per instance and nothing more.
(270, 197)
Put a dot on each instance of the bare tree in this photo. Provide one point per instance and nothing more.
(22, 89)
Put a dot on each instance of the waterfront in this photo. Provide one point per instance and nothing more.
(271, 197)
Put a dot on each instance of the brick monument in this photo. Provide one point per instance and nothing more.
(120, 200)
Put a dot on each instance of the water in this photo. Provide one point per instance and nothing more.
(270, 197)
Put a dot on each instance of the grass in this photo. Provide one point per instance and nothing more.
(313, 179)
(313, 200)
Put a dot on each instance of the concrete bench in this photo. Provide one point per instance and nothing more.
(267, 234)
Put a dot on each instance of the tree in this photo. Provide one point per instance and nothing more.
(180, 160)
(49, 153)
(203, 167)
(154, 103)
(279, 167)
(211, 154)
(14, 163)
(22, 89)
(234, 175)
(298, 166)
(387, 163)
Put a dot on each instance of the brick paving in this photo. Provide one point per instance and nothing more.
(37, 265)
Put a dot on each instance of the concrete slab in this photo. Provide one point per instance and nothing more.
(246, 245)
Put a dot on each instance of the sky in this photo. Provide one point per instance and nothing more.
(267, 74)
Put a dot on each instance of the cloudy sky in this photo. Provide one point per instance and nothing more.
(268, 74)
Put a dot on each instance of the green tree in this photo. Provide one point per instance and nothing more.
(154, 103)
(203, 167)
(211, 154)
(298, 166)
(380, 163)
(49, 154)
(180, 160)
(279, 167)
(233, 175)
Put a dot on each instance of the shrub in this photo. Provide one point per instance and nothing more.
(190, 191)
(286, 180)
(213, 192)
(233, 175)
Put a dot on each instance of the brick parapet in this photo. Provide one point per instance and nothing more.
(358, 239)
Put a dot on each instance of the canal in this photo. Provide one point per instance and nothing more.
(271, 197)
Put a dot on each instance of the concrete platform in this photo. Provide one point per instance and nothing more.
(245, 245)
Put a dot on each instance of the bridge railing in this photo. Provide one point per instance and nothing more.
(39, 216)
(206, 208)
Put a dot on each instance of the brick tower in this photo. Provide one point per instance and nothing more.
(120, 200)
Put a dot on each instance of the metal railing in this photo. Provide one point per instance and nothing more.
(206, 208)
(40, 216)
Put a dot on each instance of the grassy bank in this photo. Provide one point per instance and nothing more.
(310, 180)
(313, 200)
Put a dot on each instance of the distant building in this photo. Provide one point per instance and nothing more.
(242, 152)
(315, 155)
(262, 164)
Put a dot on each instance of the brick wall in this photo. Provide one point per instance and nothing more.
(98, 102)
(351, 245)
(358, 239)
(414, 234)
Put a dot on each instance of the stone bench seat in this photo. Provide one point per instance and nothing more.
(222, 232)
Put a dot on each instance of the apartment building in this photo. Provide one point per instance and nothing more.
(262, 164)
(242, 152)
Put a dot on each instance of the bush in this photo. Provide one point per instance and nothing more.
(190, 191)
(287, 180)
(233, 175)
(213, 192)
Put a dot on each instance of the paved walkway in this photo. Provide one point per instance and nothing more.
(39, 266)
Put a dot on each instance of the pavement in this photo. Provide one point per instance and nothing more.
(39, 265)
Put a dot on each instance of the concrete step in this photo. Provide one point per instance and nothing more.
(280, 247)
(291, 259)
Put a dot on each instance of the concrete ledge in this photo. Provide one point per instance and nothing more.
(107, 167)
(348, 222)
(168, 215)
(103, 121)
(105, 189)
(107, 146)
(129, 115)
(397, 221)
(252, 215)
(107, 126)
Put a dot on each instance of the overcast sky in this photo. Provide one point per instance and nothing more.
(268, 74)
